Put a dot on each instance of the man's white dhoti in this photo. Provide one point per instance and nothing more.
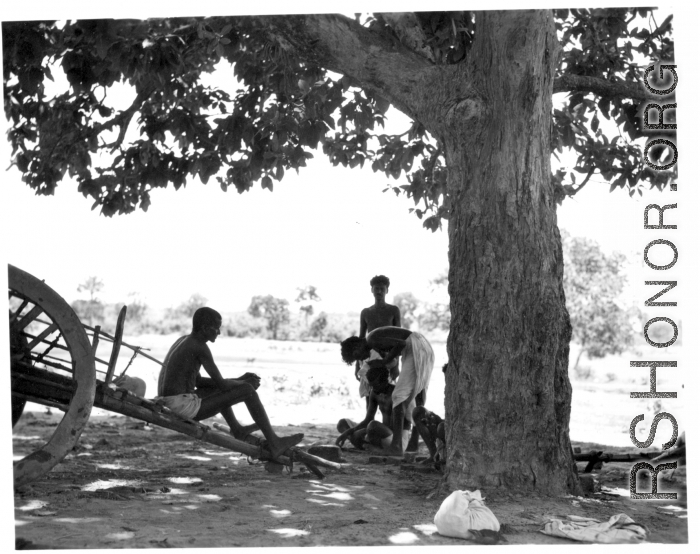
(417, 360)
(184, 405)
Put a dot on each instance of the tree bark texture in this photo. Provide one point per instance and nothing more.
(508, 395)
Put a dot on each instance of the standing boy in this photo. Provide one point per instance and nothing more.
(380, 314)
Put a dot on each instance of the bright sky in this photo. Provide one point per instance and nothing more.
(329, 227)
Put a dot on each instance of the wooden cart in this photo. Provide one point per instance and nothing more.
(53, 363)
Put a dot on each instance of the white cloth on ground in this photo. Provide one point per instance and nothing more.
(417, 360)
(620, 528)
(364, 368)
(184, 405)
(463, 512)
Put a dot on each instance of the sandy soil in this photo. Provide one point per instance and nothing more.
(127, 485)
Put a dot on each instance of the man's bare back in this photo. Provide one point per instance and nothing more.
(182, 366)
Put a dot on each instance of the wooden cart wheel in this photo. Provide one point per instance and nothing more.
(57, 367)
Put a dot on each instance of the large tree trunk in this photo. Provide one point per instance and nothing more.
(508, 394)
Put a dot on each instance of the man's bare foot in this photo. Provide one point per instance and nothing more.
(281, 444)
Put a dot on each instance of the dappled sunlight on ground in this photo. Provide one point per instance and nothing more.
(114, 466)
(322, 503)
(334, 495)
(426, 528)
(330, 491)
(81, 520)
(184, 480)
(101, 485)
(616, 491)
(280, 513)
(678, 511)
(33, 505)
(276, 512)
(289, 533)
(198, 458)
(404, 537)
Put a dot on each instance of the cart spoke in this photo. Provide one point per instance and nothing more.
(21, 324)
(41, 336)
(14, 315)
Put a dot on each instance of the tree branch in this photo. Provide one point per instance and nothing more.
(123, 119)
(408, 28)
(377, 61)
(601, 87)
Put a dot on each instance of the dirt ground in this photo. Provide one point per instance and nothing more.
(127, 485)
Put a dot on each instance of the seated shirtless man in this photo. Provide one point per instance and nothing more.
(370, 430)
(182, 389)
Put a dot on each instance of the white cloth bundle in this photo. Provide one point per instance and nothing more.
(463, 512)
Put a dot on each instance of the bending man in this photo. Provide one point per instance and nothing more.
(182, 389)
(417, 359)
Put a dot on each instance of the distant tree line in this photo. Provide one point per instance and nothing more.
(266, 316)
(594, 283)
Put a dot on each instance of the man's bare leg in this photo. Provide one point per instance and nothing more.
(420, 419)
(215, 403)
(412, 445)
(237, 430)
(376, 435)
(397, 417)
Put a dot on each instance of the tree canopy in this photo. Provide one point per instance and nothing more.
(299, 92)
(274, 310)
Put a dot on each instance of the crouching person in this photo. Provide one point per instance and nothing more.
(431, 428)
(370, 431)
(182, 389)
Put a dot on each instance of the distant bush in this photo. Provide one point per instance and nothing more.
(242, 325)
